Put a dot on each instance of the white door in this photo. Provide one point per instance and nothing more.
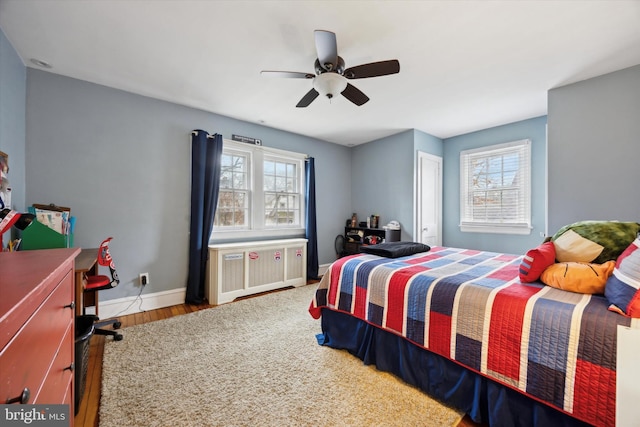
(429, 199)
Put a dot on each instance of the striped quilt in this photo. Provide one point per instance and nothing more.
(469, 306)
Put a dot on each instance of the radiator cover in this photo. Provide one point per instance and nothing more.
(239, 269)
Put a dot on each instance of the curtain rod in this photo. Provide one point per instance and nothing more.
(195, 132)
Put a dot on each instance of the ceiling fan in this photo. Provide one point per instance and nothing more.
(331, 76)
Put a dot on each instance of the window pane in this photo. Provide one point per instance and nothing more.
(281, 183)
(269, 183)
(281, 209)
(290, 185)
(232, 209)
(494, 165)
(294, 202)
(237, 180)
(269, 201)
(239, 163)
(225, 179)
(269, 167)
(511, 162)
(234, 172)
(494, 180)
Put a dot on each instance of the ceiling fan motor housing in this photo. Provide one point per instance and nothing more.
(328, 67)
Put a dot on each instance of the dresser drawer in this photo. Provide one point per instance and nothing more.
(59, 377)
(27, 358)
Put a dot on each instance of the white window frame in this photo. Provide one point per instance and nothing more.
(256, 227)
(522, 225)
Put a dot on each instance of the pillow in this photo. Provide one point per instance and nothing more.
(613, 236)
(623, 287)
(395, 249)
(572, 247)
(536, 260)
(580, 277)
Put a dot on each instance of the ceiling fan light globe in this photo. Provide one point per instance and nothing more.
(329, 84)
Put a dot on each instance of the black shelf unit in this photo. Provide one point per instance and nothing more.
(358, 236)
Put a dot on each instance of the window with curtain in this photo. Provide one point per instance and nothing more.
(495, 188)
(261, 192)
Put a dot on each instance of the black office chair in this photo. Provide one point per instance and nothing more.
(100, 282)
(340, 246)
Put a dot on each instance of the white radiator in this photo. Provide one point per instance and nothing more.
(239, 269)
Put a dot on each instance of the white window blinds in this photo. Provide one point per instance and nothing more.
(495, 188)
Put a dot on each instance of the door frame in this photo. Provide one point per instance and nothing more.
(417, 219)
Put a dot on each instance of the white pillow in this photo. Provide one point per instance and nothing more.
(572, 247)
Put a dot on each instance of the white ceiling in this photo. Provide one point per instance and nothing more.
(464, 65)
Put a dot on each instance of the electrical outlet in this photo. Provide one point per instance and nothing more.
(144, 279)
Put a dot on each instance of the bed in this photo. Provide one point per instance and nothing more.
(460, 325)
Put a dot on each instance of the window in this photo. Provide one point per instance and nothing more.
(233, 199)
(495, 188)
(281, 192)
(261, 192)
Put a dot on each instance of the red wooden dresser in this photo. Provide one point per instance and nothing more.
(37, 327)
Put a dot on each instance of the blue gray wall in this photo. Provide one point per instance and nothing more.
(383, 177)
(13, 84)
(382, 180)
(594, 149)
(122, 163)
(427, 144)
(533, 129)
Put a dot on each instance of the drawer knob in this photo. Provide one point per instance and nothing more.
(23, 398)
(70, 367)
(70, 305)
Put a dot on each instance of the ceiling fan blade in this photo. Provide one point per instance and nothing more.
(308, 98)
(355, 95)
(327, 49)
(288, 74)
(373, 69)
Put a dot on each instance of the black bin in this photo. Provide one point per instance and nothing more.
(84, 331)
(391, 235)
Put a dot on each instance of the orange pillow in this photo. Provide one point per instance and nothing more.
(580, 277)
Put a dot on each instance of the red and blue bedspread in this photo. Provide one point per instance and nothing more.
(469, 306)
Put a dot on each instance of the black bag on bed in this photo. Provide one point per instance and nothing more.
(394, 249)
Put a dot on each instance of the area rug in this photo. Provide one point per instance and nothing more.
(254, 362)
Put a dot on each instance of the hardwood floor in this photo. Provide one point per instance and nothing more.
(88, 415)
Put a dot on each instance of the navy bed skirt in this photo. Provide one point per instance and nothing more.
(484, 400)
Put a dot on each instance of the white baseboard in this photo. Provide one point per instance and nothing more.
(131, 305)
(135, 304)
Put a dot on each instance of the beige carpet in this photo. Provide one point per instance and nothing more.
(254, 362)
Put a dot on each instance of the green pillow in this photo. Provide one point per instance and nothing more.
(613, 236)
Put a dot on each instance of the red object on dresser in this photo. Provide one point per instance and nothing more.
(37, 316)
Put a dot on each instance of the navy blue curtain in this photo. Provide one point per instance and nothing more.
(310, 222)
(206, 154)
